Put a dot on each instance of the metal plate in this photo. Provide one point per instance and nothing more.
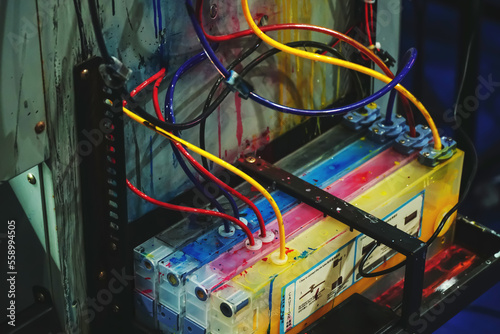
(21, 90)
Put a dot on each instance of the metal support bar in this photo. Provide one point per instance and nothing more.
(414, 249)
(414, 283)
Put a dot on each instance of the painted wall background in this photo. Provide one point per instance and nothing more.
(144, 35)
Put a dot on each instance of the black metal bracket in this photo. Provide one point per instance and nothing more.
(414, 249)
(104, 204)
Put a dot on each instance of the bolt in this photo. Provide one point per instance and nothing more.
(402, 141)
(31, 178)
(250, 160)
(102, 275)
(426, 154)
(84, 74)
(449, 139)
(375, 130)
(425, 127)
(116, 308)
(40, 297)
(39, 127)
(350, 118)
(398, 116)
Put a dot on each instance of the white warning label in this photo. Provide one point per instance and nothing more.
(317, 286)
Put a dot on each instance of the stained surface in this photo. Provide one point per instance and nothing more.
(145, 41)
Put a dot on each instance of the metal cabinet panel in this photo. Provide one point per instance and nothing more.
(23, 138)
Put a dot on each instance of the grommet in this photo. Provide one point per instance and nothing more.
(257, 246)
(275, 258)
(268, 238)
(223, 233)
(244, 221)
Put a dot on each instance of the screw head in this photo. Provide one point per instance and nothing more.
(116, 308)
(40, 297)
(425, 127)
(250, 160)
(426, 154)
(376, 130)
(398, 116)
(84, 74)
(402, 141)
(31, 178)
(102, 275)
(113, 246)
(39, 127)
(449, 139)
(350, 118)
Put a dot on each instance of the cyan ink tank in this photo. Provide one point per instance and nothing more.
(146, 257)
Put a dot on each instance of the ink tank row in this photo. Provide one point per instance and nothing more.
(186, 236)
(222, 296)
(171, 297)
(319, 151)
(190, 236)
(147, 255)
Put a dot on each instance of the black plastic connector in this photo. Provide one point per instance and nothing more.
(239, 85)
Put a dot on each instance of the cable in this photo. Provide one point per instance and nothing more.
(368, 29)
(189, 124)
(206, 46)
(390, 106)
(157, 78)
(252, 65)
(337, 41)
(410, 56)
(341, 37)
(469, 142)
(222, 163)
(179, 149)
(463, 196)
(98, 32)
(169, 113)
(371, 18)
(146, 83)
(160, 23)
(212, 92)
(338, 62)
(169, 206)
(326, 112)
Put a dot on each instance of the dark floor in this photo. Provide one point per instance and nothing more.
(440, 57)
